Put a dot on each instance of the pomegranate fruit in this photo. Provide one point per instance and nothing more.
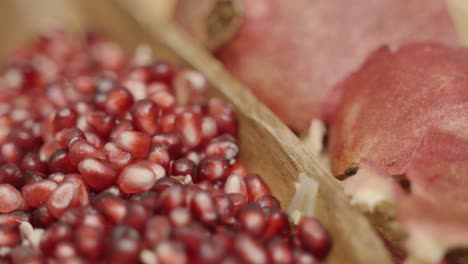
(134, 169)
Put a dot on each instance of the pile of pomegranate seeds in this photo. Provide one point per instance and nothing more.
(104, 160)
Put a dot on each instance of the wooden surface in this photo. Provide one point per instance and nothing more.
(267, 146)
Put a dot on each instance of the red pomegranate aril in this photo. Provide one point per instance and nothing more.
(209, 252)
(98, 174)
(14, 218)
(147, 199)
(256, 187)
(84, 84)
(171, 252)
(189, 125)
(47, 149)
(212, 169)
(65, 136)
(252, 219)
(101, 122)
(56, 177)
(190, 86)
(171, 198)
(194, 156)
(136, 178)
(278, 224)
(83, 196)
(204, 208)
(32, 162)
(41, 217)
(11, 174)
(56, 94)
(301, 256)
(65, 250)
(160, 154)
(123, 245)
(145, 115)
(314, 237)
(90, 242)
(157, 229)
(163, 99)
(180, 216)
(172, 140)
(10, 152)
(167, 122)
(224, 116)
(224, 146)
(117, 156)
(238, 201)
(59, 161)
(62, 199)
(191, 236)
(36, 194)
(136, 216)
(112, 207)
(183, 167)
(268, 200)
(250, 250)
(165, 183)
(11, 198)
(105, 82)
(25, 139)
(136, 143)
(118, 101)
(279, 251)
(79, 149)
(94, 139)
(209, 128)
(157, 169)
(64, 118)
(235, 184)
(225, 208)
(9, 236)
(53, 236)
(26, 255)
(121, 126)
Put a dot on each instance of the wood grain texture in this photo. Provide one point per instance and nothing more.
(268, 146)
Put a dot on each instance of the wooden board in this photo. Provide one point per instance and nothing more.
(268, 146)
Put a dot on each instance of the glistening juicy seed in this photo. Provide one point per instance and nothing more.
(111, 162)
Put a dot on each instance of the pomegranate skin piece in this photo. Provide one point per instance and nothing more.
(108, 160)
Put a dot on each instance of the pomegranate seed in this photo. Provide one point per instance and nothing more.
(136, 216)
(25, 139)
(183, 167)
(101, 122)
(171, 198)
(136, 178)
(53, 236)
(64, 118)
(118, 101)
(65, 136)
(90, 242)
(189, 125)
(194, 156)
(14, 218)
(190, 86)
(314, 237)
(65, 250)
(268, 200)
(112, 207)
(222, 147)
(105, 82)
(278, 224)
(9, 235)
(84, 84)
(98, 174)
(32, 162)
(249, 249)
(224, 116)
(57, 177)
(212, 169)
(209, 128)
(163, 99)
(145, 116)
(252, 219)
(136, 143)
(116, 155)
(204, 208)
(171, 252)
(301, 256)
(180, 216)
(41, 217)
(160, 155)
(168, 122)
(172, 140)
(157, 169)
(47, 150)
(35, 194)
(279, 251)
(11, 174)
(147, 199)
(59, 161)
(11, 198)
(225, 208)
(10, 152)
(62, 198)
(124, 245)
(235, 184)
(256, 187)
(164, 183)
(209, 252)
(82, 197)
(157, 229)
(79, 149)
(121, 126)
(94, 139)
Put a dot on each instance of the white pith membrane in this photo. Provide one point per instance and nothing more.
(376, 193)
